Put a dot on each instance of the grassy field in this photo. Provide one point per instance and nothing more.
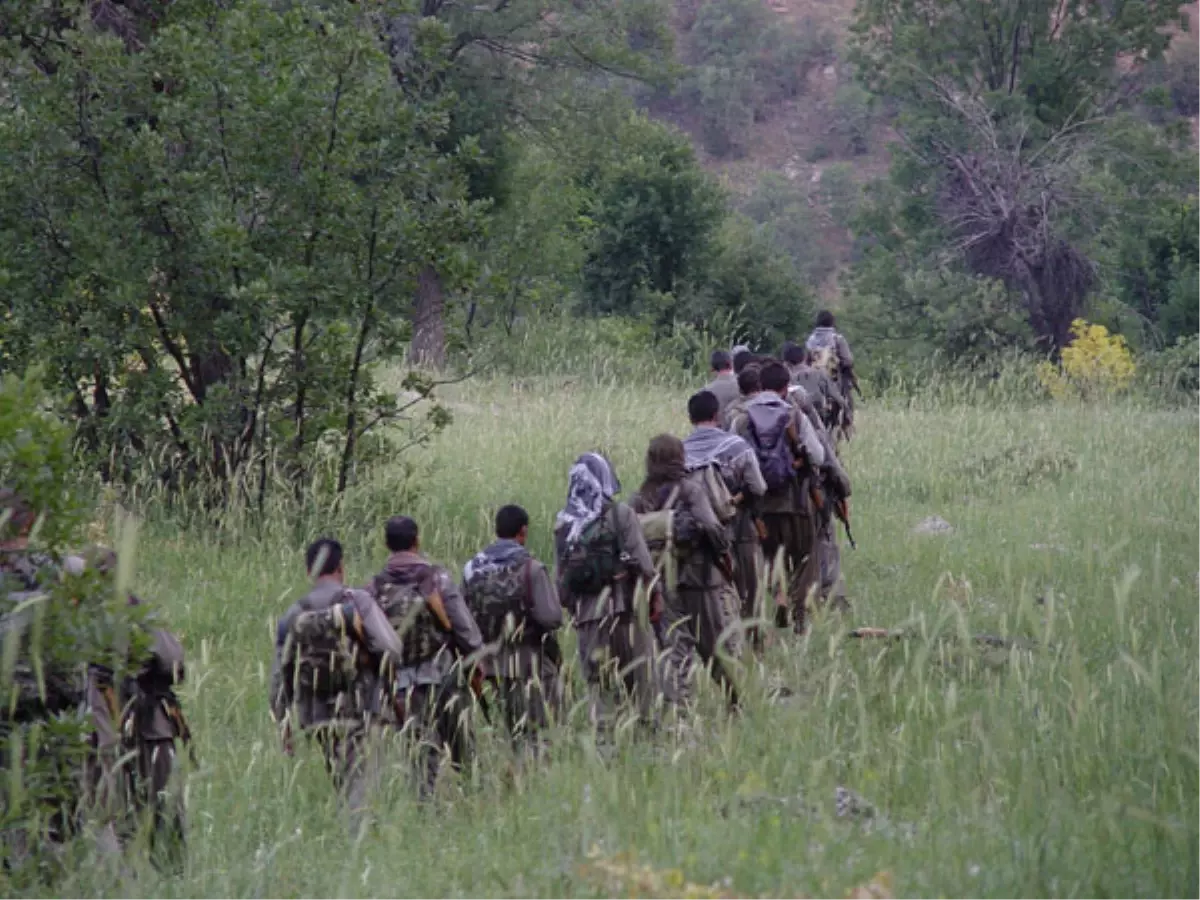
(1067, 767)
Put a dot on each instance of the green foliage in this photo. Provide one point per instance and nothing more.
(1018, 151)
(745, 62)
(907, 314)
(652, 212)
(852, 119)
(49, 638)
(37, 459)
(750, 281)
(1183, 76)
(209, 260)
(840, 191)
(787, 218)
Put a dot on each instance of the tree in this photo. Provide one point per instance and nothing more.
(1004, 109)
(208, 242)
(654, 212)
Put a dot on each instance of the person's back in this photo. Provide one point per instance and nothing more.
(724, 382)
(600, 556)
(516, 606)
(696, 612)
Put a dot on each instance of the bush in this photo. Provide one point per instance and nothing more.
(746, 62)
(781, 207)
(1183, 76)
(839, 191)
(852, 119)
(1094, 364)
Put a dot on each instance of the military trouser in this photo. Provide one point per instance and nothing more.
(696, 619)
(617, 655)
(791, 542)
(833, 587)
(437, 725)
(353, 760)
(529, 704)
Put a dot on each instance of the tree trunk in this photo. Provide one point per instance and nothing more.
(428, 348)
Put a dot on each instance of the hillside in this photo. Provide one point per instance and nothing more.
(796, 138)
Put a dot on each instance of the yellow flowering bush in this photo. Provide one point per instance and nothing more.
(1095, 362)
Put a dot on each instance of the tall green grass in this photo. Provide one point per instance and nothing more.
(1066, 765)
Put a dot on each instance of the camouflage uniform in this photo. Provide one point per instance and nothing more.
(696, 614)
(830, 337)
(739, 467)
(789, 516)
(515, 603)
(342, 723)
(432, 701)
(822, 391)
(611, 635)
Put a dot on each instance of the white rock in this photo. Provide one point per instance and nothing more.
(933, 525)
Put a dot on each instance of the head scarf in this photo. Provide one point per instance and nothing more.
(590, 483)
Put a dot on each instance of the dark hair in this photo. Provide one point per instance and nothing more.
(325, 551)
(720, 360)
(510, 520)
(793, 354)
(665, 464)
(825, 319)
(703, 406)
(748, 381)
(741, 360)
(775, 376)
(400, 533)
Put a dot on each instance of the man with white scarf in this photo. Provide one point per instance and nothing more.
(615, 643)
(708, 444)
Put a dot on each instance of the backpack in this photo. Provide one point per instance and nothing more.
(712, 482)
(324, 650)
(406, 603)
(768, 431)
(826, 360)
(497, 595)
(593, 561)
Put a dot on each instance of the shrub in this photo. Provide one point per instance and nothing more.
(1095, 363)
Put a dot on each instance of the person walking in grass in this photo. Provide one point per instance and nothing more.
(604, 570)
(738, 465)
(441, 652)
(696, 616)
(515, 603)
(334, 649)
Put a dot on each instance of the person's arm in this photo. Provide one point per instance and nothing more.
(280, 692)
(544, 607)
(809, 440)
(845, 357)
(633, 542)
(378, 633)
(714, 532)
(464, 631)
(750, 474)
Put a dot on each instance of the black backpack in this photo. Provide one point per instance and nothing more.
(593, 561)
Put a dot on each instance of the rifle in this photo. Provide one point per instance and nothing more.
(841, 509)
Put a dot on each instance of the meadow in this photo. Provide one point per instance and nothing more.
(1062, 764)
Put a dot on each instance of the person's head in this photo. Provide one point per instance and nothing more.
(703, 408)
(741, 359)
(825, 319)
(512, 524)
(793, 354)
(721, 361)
(400, 533)
(748, 381)
(775, 378)
(17, 518)
(323, 559)
(665, 460)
